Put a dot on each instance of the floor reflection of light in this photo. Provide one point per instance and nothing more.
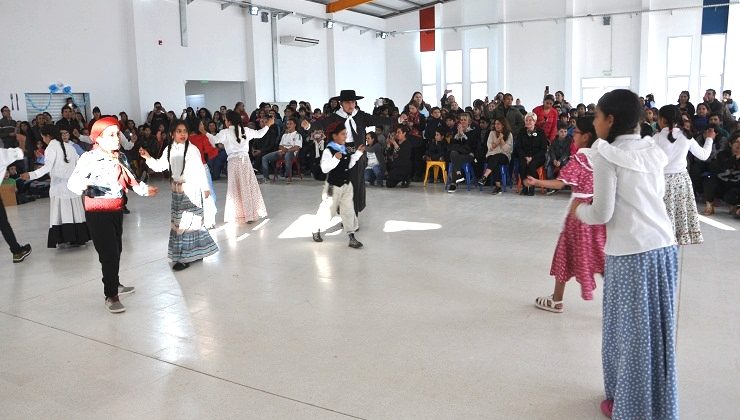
(263, 223)
(242, 237)
(304, 225)
(715, 223)
(392, 226)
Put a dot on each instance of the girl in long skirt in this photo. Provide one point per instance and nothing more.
(679, 193)
(189, 239)
(244, 203)
(67, 213)
(639, 330)
(580, 249)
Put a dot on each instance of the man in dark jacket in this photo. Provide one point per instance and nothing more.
(512, 114)
(462, 149)
(400, 168)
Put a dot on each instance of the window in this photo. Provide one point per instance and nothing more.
(429, 77)
(678, 67)
(478, 73)
(594, 88)
(453, 74)
(712, 63)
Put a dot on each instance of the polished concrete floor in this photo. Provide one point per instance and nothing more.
(432, 319)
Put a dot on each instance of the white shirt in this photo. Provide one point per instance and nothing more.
(291, 140)
(100, 169)
(194, 174)
(58, 169)
(329, 161)
(233, 148)
(678, 150)
(628, 195)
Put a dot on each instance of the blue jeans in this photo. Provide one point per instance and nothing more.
(373, 174)
(274, 157)
(217, 164)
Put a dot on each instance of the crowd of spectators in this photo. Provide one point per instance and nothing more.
(491, 142)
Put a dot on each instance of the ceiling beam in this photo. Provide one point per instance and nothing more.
(340, 5)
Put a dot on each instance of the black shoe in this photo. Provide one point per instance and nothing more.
(551, 192)
(524, 190)
(452, 188)
(460, 178)
(126, 210)
(22, 254)
(317, 237)
(354, 243)
(483, 181)
(404, 184)
(496, 191)
(179, 266)
(530, 191)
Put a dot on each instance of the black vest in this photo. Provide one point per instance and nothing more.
(339, 176)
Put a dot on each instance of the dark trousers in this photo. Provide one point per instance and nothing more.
(217, 164)
(494, 162)
(530, 169)
(106, 229)
(459, 159)
(715, 187)
(7, 230)
(398, 175)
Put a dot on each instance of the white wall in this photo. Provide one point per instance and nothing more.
(216, 93)
(32, 59)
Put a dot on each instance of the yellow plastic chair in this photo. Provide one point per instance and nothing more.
(436, 165)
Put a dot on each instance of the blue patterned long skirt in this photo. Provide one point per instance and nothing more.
(639, 347)
(189, 239)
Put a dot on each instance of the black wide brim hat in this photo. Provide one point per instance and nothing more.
(348, 95)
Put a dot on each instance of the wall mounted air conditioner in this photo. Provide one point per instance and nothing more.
(298, 41)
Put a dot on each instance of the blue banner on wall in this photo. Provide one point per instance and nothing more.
(714, 19)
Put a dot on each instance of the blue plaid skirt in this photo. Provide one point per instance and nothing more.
(189, 239)
(639, 338)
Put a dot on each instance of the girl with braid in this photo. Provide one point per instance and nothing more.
(244, 202)
(67, 213)
(189, 238)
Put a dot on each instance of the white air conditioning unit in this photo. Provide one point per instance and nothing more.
(298, 41)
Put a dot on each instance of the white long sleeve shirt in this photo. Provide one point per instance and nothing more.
(58, 169)
(628, 195)
(8, 156)
(678, 150)
(100, 169)
(329, 161)
(194, 174)
(233, 148)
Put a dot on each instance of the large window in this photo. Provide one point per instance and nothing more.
(712, 63)
(595, 87)
(453, 74)
(678, 67)
(478, 73)
(429, 77)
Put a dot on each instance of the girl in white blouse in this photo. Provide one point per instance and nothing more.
(67, 213)
(189, 239)
(244, 202)
(679, 195)
(638, 343)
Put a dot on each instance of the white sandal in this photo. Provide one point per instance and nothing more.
(547, 304)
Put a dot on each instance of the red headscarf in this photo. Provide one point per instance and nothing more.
(100, 126)
(125, 177)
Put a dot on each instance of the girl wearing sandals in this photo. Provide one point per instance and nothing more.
(189, 238)
(639, 328)
(580, 249)
(679, 193)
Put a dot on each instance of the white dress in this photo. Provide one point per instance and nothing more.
(66, 212)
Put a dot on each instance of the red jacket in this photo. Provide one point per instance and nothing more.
(547, 121)
(207, 151)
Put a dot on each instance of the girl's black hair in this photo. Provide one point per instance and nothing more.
(624, 106)
(176, 124)
(372, 136)
(236, 120)
(585, 125)
(53, 132)
(672, 116)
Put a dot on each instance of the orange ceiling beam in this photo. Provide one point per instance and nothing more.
(344, 4)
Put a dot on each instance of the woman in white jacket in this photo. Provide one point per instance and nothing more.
(8, 156)
(66, 213)
(679, 194)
